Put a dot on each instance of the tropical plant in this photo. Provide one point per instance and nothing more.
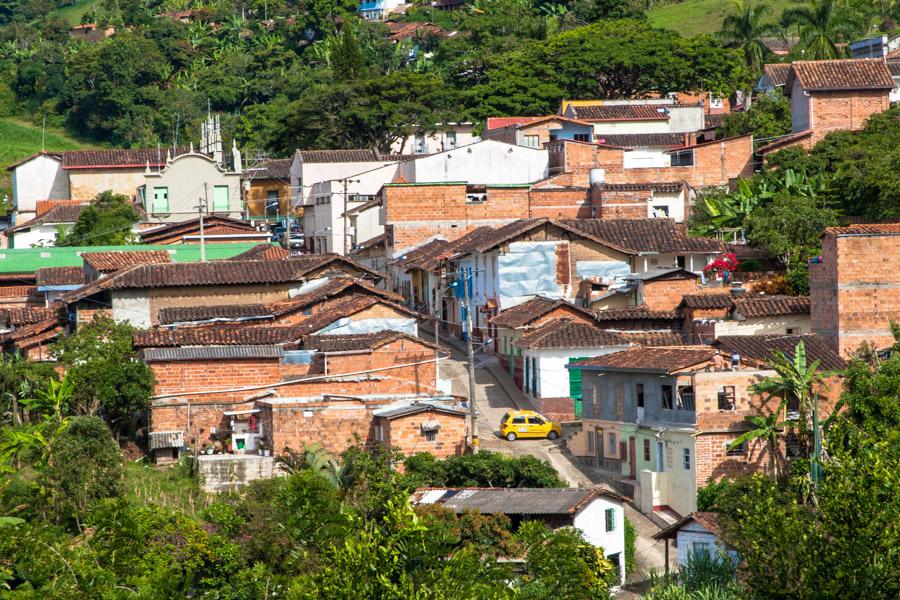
(768, 428)
(823, 24)
(53, 401)
(745, 29)
(315, 458)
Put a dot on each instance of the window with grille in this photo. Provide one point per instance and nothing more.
(685, 158)
(686, 397)
(687, 459)
(582, 137)
(611, 442)
(736, 450)
(646, 450)
(431, 435)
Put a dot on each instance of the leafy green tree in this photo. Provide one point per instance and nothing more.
(823, 24)
(19, 379)
(485, 469)
(790, 226)
(107, 221)
(769, 116)
(106, 374)
(85, 465)
(346, 59)
(745, 29)
(767, 428)
(562, 564)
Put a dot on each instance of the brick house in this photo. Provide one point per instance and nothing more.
(660, 420)
(438, 429)
(854, 288)
(546, 349)
(307, 388)
(137, 293)
(30, 331)
(534, 132)
(709, 316)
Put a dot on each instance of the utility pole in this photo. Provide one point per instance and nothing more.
(346, 227)
(201, 207)
(473, 411)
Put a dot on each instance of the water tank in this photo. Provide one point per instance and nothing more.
(597, 176)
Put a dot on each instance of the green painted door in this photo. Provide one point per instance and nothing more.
(575, 386)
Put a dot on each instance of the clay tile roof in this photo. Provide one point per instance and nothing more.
(26, 316)
(707, 300)
(66, 213)
(378, 240)
(777, 73)
(221, 272)
(358, 342)
(642, 140)
(107, 262)
(225, 312)
(667, 359)
(565, 333)
(779, 45)
(32, 333)
(635, 313)
(192, 226)
(263, 252)
(47, 276)
(864, 229)
(135, 157)
(327, 156)
(894, 67)
(770, 306)
(843, 74)
(534, 308)
(653, 338)
(279, 168)
(623, 112)
(219, 335)
(645, 235)
(666, 187)
(759, 348)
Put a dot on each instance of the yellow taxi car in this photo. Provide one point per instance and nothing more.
(528, 424)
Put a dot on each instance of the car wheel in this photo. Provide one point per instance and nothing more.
(511, 436)
(552, 435)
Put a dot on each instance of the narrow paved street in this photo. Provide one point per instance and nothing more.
(495, 394)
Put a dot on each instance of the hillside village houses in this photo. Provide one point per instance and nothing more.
(561, 237)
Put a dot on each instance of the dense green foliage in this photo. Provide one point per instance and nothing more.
(105, 372)
(485, 469)
(107, 221)
(316, 75)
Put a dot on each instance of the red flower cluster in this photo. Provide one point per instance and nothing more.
(724, 263)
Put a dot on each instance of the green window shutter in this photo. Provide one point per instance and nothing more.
(575, 380)
(504, 344)
(160, 199)
(220, 198)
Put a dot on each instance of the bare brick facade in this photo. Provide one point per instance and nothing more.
(844, 110)
(855, 289)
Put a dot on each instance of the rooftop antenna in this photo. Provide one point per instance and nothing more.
(43, 131)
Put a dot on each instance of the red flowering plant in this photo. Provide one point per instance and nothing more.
(723, 265)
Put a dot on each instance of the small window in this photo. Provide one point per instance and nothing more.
(687, 459)
(684, 158)
(685, 397)
(431, 435)
(660, 211)
(532, 141)
(582, 137)
(220, 198)
(611, 442)
(379, 433)
(419, 147)
(790, 331)
(610, 514)
(726, 397)
(646, 450)
(160, 199)
(518, 420)
(700, 548)
(680, 261)
(736, 450)
(667, 398)
(591, 436)
(639, 392)
(536, 421)
(450, 140)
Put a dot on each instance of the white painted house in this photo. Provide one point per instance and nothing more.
(485, 162)
(38, 177)
(698, 533)
(598, 514)
(446, 136)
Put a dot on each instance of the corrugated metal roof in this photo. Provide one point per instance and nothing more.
(511, 501)
(211, 353)
(29, 260)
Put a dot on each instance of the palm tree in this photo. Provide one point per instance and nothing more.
(745, 31)
(823, 24)
(767, 428)
(793, 382)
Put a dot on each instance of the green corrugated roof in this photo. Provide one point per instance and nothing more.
(29, 260)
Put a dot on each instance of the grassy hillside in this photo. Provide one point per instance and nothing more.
(19, 139)
(73, 13)
(695, 17)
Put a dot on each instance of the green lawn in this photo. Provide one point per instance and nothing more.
(19, 139)
(72, 14)
(695, 17)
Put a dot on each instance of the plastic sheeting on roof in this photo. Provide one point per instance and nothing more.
(348, 326)
(528, 268)
(608, 271)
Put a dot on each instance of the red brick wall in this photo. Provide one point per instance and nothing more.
(855, 291)
(405, 434)
(713, 463)
(666, 294)
(557, 409)
(835, 111)
(622, 204)
(562, 203)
